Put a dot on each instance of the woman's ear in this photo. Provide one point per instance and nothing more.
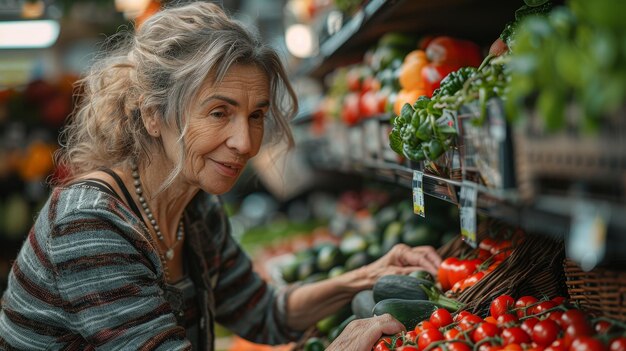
(151, 122)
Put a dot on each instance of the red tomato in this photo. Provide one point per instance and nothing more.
(382, 345)
(488, 347)
(618, 344)
(545, 332)
(542, 307)
(432, 74)
(514, 335)
(441, 318)
(407, 348)
(468, 322)
(458, 346)
(411, 336)
(501, 305)
(483, 254)
(464, 269)
(454, 334)
(522, 304)
(507, 319)
(572, 316)
(460, 315)
(486, 244)
(472, 280)
(559, 300)
(350, 112)
(502, 250)
(586, 343)
(529, 324)
(368, 104)
(575, 330)
(427, 337)
(556, 316)
(491, 320)
(485, 330)
(422, 326)
(557, 345)
(602, 327)
(444, 269)
(512, 347)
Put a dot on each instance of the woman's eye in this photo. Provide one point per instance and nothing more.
(257, 115)
(219, 113)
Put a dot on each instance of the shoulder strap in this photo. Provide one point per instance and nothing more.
(97, 183)
(129, 199)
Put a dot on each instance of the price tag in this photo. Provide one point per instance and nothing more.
(418, 194)
(467, 212)
(587, 238)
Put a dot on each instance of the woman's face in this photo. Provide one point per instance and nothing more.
(225, 129)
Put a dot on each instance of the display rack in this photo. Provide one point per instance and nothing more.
(556, 215)
(471, 19)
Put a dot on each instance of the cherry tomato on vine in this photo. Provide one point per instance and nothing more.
(545, 332)
(486, 244)
(507, 319)
(618, 344)
(559, 300)
(463, 270)
(382, 345)
(422, 326)
(427, 337)
(521, 305)
(454, 334)
(571, 316)
(512, 347)
(444, 270)
(528, 324)
(460, 315)
(586, 343)
(501, 305)
(602, 327)
(488, 347)
(441, 318)
(411, 336)
(542, 307)
(458, 346)
(407, 348)
(575, 330)
(557, 345)
(485, 330)
(514, 335)
(556, 316)
(469, 321)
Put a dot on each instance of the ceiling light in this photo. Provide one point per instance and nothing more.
(28, 34)
(301, 41)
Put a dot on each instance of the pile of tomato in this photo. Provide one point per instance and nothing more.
(525, 324)
(458, 274)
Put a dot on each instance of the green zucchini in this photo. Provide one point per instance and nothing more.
(363, 304)
(334, 333)
(396, 286)
(407, 312)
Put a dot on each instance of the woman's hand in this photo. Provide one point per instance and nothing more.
(401, 259)
(362, 334)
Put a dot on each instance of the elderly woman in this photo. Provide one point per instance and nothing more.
(133, 250)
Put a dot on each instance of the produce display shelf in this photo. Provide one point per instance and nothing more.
(550, 215)
(471, 19)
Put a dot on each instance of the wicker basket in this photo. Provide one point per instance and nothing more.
(534, 268)
(600, 291)
(556, 163)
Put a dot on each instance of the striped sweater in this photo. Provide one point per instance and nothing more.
(87, 277)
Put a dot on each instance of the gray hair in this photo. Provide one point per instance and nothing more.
(159, 71)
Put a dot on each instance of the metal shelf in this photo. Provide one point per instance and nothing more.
(477, 20)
